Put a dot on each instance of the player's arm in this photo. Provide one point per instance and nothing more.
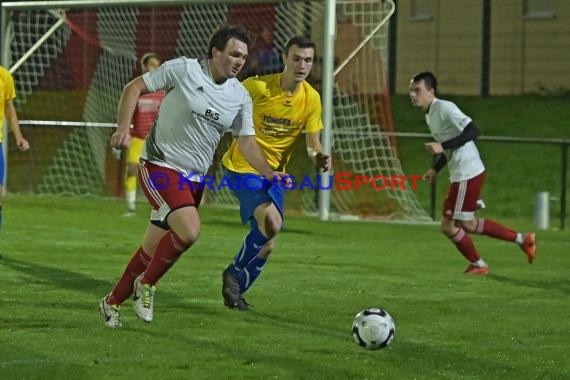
(14, 124)
(469, 133)
(127, 105)
(315, 151)
(438, 164)
(253, 154)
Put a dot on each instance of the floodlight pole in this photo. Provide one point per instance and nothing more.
(327, 99)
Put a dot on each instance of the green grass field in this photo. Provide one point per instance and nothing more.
(61, 255)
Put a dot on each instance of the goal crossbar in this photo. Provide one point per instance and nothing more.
(81, 4)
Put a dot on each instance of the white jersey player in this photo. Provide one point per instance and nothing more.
(194, 115)
(454, 134)
(204, 99)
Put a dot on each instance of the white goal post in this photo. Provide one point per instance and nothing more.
(70, 60)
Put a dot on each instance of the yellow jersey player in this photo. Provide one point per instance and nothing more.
(285, 106)
(7, 95)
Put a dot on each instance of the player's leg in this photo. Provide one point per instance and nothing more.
(527, 241)
(184, 230)
(136, 265)
(109, 306)
(132, 162)
(177, 204)
(262, 206)
(455, 211)
(247, 263)
(268, 220)
(493, 229)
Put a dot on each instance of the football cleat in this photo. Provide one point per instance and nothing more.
(231, 291)
(476, 269)
(242, 305)
(529, 246)
(143, 300)
(110, 313)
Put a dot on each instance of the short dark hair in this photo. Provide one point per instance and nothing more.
(147, 57)
(225, 32)
(302, 42)
(429, 79)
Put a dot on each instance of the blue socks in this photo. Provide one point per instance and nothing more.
(252, 245)
(247, 265)
(250, 273)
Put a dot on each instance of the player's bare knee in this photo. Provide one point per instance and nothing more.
(468, 225)
(272, 224)
(448, 227)
(190, 235)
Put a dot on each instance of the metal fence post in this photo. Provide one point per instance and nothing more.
(542, 210)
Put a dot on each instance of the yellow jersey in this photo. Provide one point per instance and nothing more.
(279, 119)
(7, 93)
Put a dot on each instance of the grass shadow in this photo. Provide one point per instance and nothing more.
(559, 285)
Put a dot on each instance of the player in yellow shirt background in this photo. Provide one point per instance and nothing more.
(285, 106)
(7, 95)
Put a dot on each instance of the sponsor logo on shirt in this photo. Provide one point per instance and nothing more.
(212, 114)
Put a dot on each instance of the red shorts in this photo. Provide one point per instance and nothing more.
(167, 190)
(463, 198)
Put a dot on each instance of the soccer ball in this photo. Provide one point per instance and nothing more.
(373, 328)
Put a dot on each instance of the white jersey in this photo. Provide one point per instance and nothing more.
(194, 115)
(446, 121)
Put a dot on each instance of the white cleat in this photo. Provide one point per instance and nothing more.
(110, 313)
(143, 300)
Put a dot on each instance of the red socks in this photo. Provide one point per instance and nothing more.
(124, 287)
(464, 244)
(494, 229)
(168, 251)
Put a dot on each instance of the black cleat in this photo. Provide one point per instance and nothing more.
(242, 305)
(230, 289)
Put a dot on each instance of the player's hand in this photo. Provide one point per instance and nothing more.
(120, 140)
(323, 161)
(429, 176)
(116, 153)
(23, 144)
(281, 176)
(434, 147)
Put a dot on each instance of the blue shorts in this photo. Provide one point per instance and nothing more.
(1, 166)
(252, 191)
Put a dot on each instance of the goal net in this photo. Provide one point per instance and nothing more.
(70, 63)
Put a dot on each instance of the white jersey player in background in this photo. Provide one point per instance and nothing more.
(454, 134)
(203, 101)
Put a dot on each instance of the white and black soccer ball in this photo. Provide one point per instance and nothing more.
(373, 328)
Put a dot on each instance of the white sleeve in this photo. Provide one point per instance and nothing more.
(457, 118)
(166, 75)
(243, 123)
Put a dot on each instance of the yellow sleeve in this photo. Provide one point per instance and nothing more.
(253, 86)
(9, 88)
